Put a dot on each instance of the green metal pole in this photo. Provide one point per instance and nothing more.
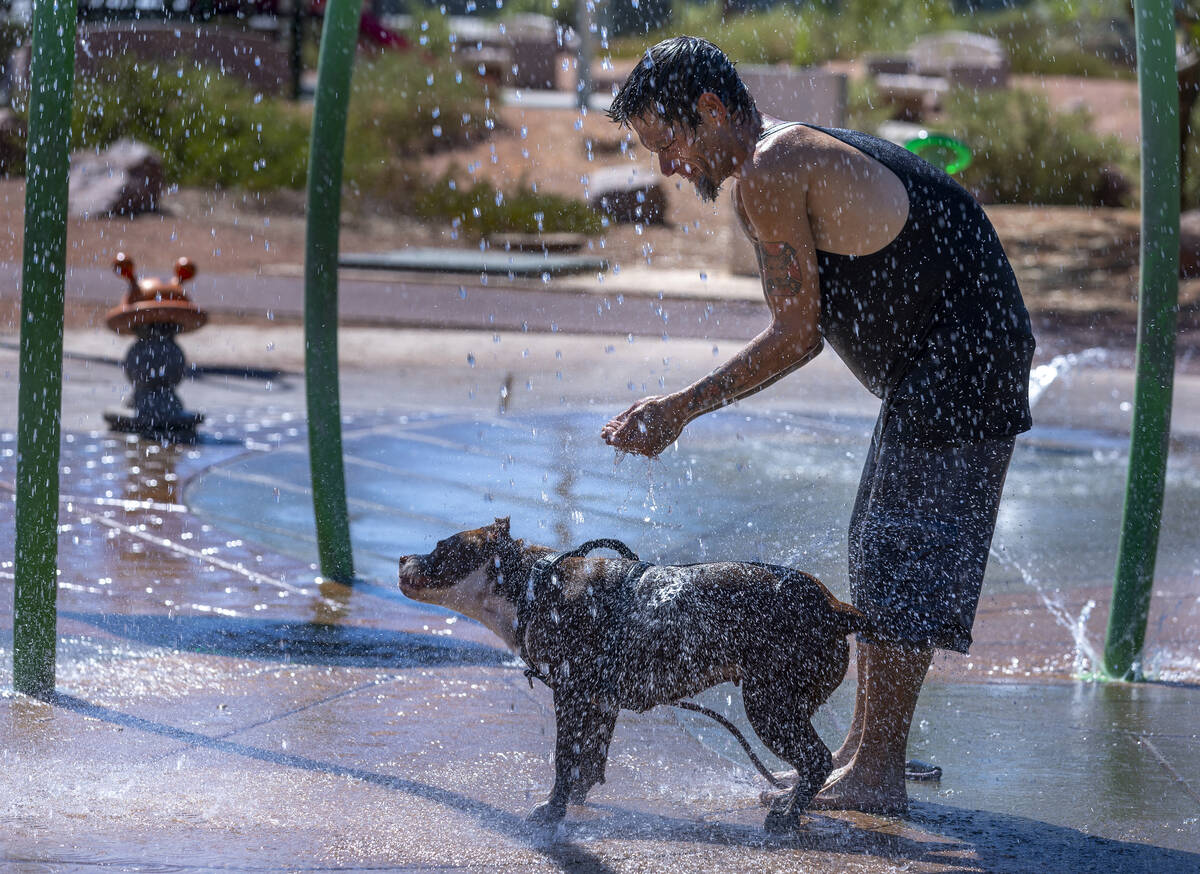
(39, 396)
(338, 40)
(1158, 295)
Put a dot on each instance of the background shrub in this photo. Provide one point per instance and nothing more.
(1065, 38)
(214, 132)
(1044, 36)
(802, 34)
(211, 130)
(1025, 153)
(481, 209)
(13, 34)
(404, 105)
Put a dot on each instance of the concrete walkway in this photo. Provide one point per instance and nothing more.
(220, 707)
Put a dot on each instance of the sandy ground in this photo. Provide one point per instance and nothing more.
(1077, 267)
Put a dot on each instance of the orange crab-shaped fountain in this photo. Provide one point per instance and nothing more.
(155, 310)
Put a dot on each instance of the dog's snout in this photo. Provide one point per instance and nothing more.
(409, 567)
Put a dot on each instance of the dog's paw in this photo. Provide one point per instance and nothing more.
(546, 813)
(784, 817)
(783, 823)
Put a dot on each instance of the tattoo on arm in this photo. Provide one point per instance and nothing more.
(715, 390)
(780, 269)
(782, 277)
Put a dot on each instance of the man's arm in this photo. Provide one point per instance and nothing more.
(792, 339)
(788, 265)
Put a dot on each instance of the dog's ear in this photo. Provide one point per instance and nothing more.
(500, 529)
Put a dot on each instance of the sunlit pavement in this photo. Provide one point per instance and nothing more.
(220, 707)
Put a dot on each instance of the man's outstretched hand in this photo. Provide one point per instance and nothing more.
(647, 427)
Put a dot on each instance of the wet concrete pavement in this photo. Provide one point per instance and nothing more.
(220, 707)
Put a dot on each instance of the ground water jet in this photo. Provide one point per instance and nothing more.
(1087, 661)
(1043, 376)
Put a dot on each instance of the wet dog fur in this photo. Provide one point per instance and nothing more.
(606, 643)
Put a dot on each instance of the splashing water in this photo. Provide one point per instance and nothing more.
(1087, 662)
(1044, 375)
(649, 502)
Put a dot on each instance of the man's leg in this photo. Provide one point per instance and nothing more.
(919, 538)
(862, 506)
(849, 746)
(872, 780)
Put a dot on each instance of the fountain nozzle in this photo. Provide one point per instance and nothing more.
(155, 310)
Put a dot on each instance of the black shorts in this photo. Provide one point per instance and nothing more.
(920, 535)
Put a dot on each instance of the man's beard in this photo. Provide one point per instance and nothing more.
(706, 189)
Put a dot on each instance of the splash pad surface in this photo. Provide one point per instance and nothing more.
(779, 488)
(219, 705)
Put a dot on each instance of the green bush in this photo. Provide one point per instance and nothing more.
(211, 130)
(811, 34)
(1064, 38)
(12, 36)
(481, 209)
(405, 104)
(1025, 153)
(1046, 36)
(215, 131)
(1191, 167)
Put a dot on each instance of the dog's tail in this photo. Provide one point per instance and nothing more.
(851, 620)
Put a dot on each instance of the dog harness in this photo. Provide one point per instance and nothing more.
(542, 575)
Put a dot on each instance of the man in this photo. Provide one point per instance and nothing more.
(864, 245)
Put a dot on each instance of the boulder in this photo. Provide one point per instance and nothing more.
(124, 179)
(971, 60)
(628, 194)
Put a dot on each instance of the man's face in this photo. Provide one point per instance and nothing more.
(679, 151)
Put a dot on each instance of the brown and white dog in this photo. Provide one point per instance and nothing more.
(606, 638)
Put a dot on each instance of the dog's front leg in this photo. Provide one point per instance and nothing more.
(582, 733)
(593, 751)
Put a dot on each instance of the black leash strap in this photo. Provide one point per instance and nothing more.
(738, 736)
(602, 543)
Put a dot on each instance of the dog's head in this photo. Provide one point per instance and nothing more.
(466, 573)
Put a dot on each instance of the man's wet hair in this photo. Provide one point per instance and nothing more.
(670, 78)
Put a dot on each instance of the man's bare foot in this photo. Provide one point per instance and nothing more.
(842, 756)
(845, 790)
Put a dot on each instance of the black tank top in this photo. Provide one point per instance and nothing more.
(933, 323)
